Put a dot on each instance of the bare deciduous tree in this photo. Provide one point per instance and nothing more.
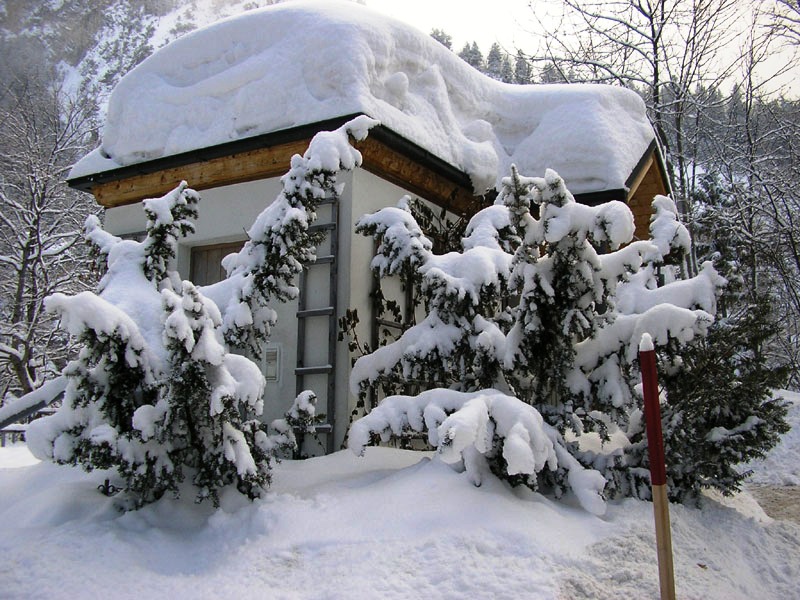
(664, 49)
(42, 132)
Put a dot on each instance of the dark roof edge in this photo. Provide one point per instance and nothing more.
(595, 198)
(408, 148)
(653, 149)
(275, 138)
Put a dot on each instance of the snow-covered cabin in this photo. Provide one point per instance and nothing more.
(225, 108)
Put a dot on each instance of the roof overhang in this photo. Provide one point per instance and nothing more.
(650, 164)
(385, 153)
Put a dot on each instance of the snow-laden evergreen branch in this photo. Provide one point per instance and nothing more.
(482, 432)
(280, 240)
(168, 218)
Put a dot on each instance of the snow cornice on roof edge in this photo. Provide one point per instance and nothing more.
(295, 64)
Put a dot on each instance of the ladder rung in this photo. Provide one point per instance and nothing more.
(323, 428)
(322, 227)
(313, 370)
(321, 260)
(315, 312)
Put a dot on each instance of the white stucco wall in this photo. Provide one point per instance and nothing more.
(369, 193)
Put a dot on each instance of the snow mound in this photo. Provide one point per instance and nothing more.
(781, 465)
(301, 62)
(469, 429)
(383, 526)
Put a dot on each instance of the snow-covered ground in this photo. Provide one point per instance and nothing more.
(782, 465)
(394, 524)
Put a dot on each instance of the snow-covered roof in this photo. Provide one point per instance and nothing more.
(302, 62)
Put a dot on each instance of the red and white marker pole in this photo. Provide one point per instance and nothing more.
(658, 470)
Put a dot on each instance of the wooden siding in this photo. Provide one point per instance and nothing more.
(227, 170)
(648, 183)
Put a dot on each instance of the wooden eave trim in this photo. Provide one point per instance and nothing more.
(227, 170)
(418, 154)
(378, 158)
(637, 181)
(276, 138)
(384, 153)
(417, 177)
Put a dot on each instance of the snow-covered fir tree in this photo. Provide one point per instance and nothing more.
(122, 362)
(578, 295)
(155, 394)
(456, 342)
(556, 272)
(472, 55)
(523, 74)
(711, 429)
(206, 393)
(441, 36)
(494, 62)
(506, 70)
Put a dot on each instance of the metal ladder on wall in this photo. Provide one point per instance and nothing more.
(327, 311)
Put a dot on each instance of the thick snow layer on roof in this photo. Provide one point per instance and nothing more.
(301, 62)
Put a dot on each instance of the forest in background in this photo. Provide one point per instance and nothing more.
(706, 69)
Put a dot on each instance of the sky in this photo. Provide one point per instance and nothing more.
(501, 21)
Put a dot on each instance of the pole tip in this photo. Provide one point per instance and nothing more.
(646, 344)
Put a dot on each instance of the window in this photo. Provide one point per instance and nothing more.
(205, 267)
